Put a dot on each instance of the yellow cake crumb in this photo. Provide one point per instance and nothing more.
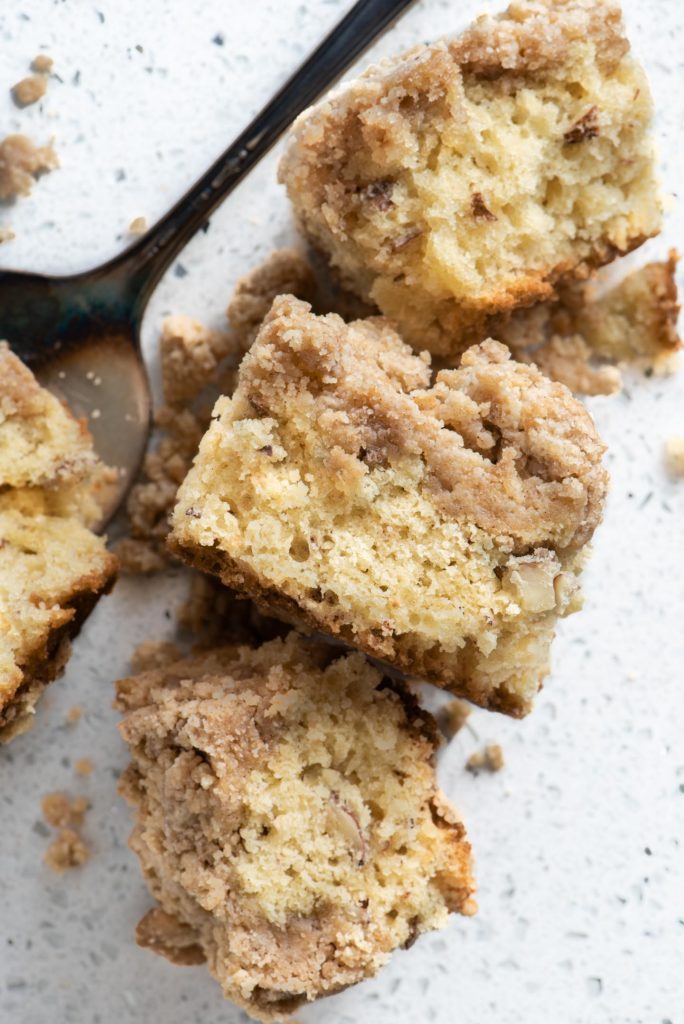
(465, 178)
(138, 226)
(21, 162)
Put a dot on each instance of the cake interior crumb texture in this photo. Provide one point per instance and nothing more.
(466, 177)
(440, 527)
(52, 567)
(288, 819)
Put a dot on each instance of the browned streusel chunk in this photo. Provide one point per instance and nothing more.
(190, 354)
(59, 811)
(285, 272)
(440, 527)
(288, 819)
(21, 162)
(42, 64)
(466, 177)
(452, 717)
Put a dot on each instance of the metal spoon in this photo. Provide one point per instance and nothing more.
(81, 334)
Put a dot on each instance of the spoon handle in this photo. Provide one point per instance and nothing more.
(145, 262)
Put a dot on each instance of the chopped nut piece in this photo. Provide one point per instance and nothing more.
(341, 819)
(490, 759)
(67, 851)
(532, 578)
(20, 163)
(585, 127)
(479, 207)
(29, 90)
(674, 456)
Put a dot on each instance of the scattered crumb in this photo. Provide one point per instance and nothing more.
(73, 715)
(42, 64)
(285, 272)
(154, 654)
(84, 766)
(29, 90)
(56, 809)
(20, 163)
(674, 456)
(490, 759)
(59, 811)
(66, 851)
(452, 717)
(138, 226)
(190, 354)
(138, 557)
(6, 235)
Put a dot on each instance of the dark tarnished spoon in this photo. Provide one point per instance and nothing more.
(81, 334)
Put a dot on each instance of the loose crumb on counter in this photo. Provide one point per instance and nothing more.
(66, 851)
(73, 715)
(6, 235)
(674, 456)
(452, 717)
(84, 766)
(490, 759)
(42, 64)
(190, 354)
(29, 90)
(138, 226)
(21, 162)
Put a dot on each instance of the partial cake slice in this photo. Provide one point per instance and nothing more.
(464, 178)
(288, 819)
(440, 528)
(52, 567)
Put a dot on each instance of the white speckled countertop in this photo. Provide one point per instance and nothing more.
(579, 842)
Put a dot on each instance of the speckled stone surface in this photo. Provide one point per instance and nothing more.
(580, 840)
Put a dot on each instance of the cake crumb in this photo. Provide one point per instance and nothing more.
(73, 715)
(138, 226)
(285, 272)
(29, 90)
(490, 759)
(190, 354)
(42, 64)
(674, 456)
(154, 654)
(21, 162)
(84, 766)
(59, 811)
(6, 235)
(452, 717)
(66, 851)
